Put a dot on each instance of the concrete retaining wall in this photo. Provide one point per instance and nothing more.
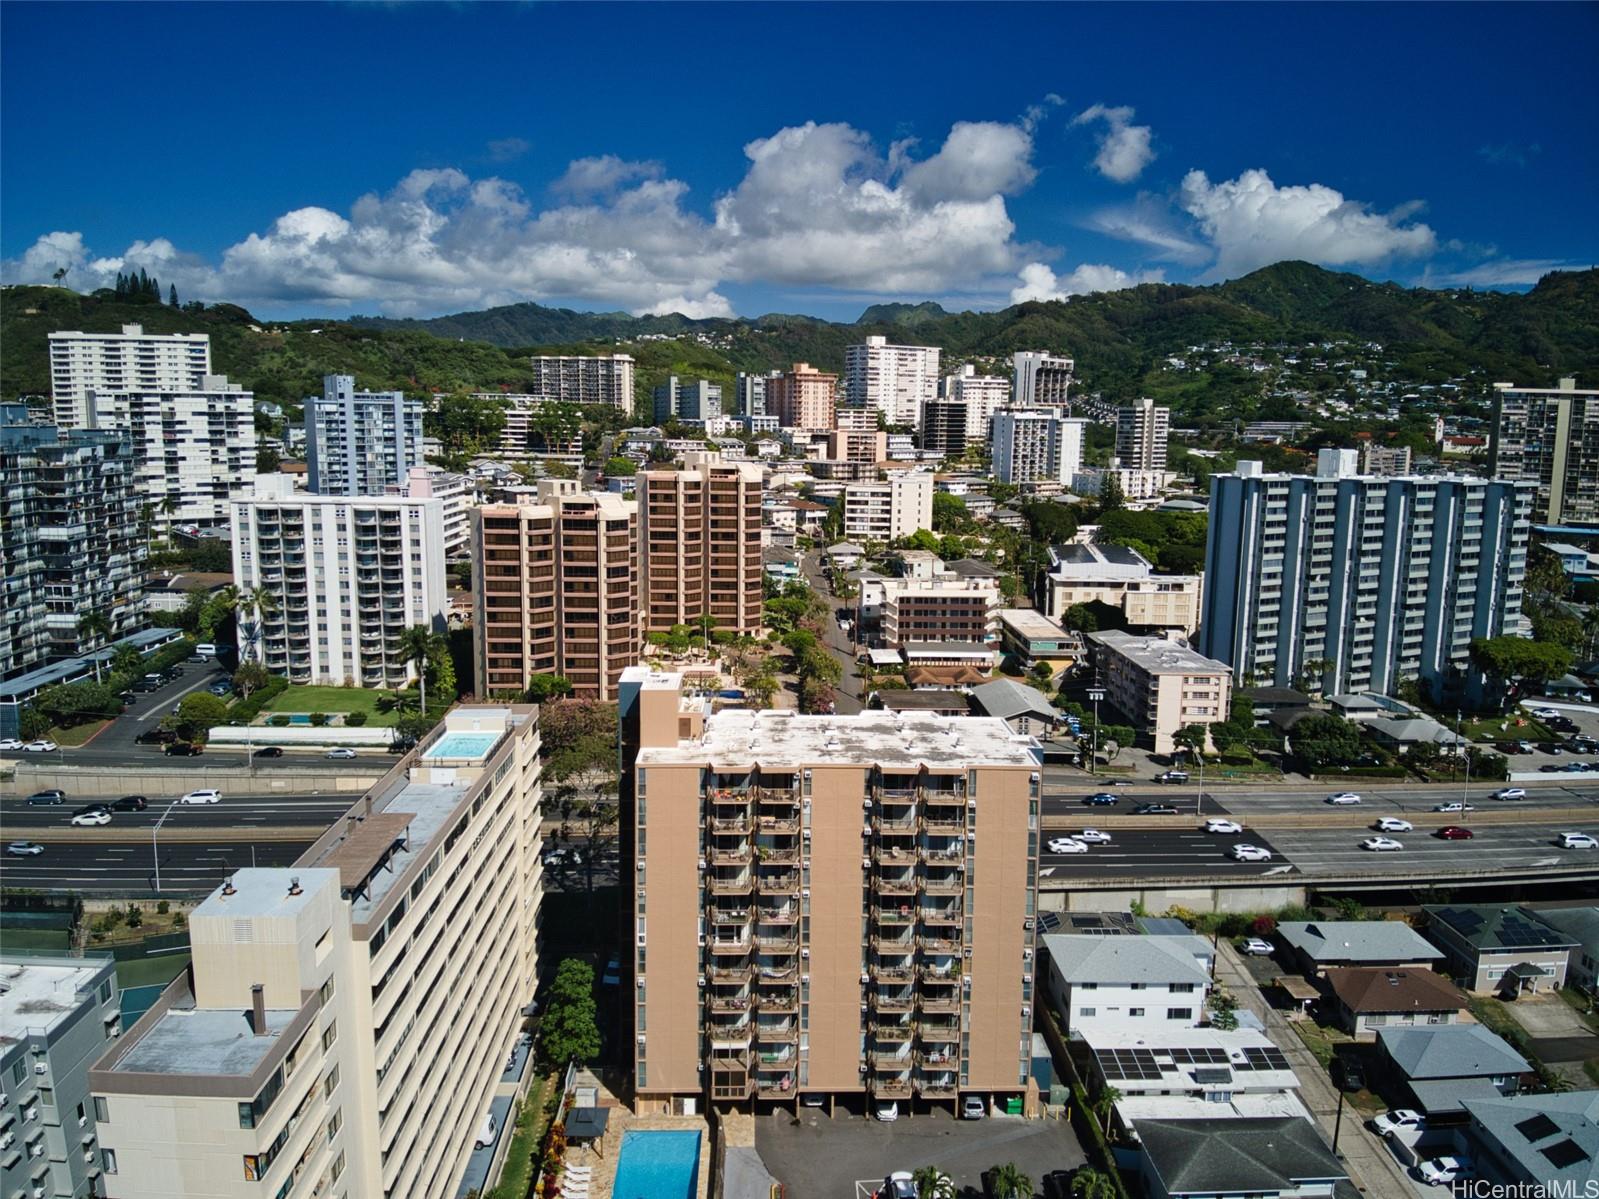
(97, 781)
(1158, 899)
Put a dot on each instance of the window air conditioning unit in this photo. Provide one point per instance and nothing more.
(806, 893)
(1026, 1011)
(702, 863)
(865, 978)
(88, 1156)
(966, 952)
(641, 1038)
(1027, 955)
(805, 978)
(971, 805)
(866, 863)
(40, 1068)
(641, 863)
(1027, 922)
(702, 942)
(971, 838)
(36, 1149)
(806, 834)
(700, 980)
(639, 982)
(866, 802)
(805, 953)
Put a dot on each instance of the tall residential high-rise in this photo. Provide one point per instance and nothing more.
(110, 363)
(555, 590)
(1360, 583)
(344, 1022)
(71, 544)
(749, 394)
(533, 429)
(58, 1014)
(193, 448)
(1041, 379)
(1034, 445)
(700, 544)
(1142, 430)
(889, 510)
(801, 397)
(896, 380)
(944, 426)
(1388, 460)
(574, 379)
(360, 442)
(1550, 436)
(685, 399)
(348, 575)
(834, 906)
(983, 396)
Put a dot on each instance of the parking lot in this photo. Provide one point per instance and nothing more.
(834, 1157)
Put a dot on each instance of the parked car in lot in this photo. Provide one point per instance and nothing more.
(203, 795)
(341, 753)
(1442, 1171)
(1066, 845)
(1219, 825)
(887, 1112)
(130, 803)
(1256, 947)
(1578, 841)
(1393, 824)
(485, 1134)
(973, 1108)
(1251, 853)
(1381, 844)
(45, 798)
(1400, 1117)
(1343, 798)
(24, 849)
(268, 751)
(898, 1185)
(1102, 799)
(1511, 793)
(94, 819)
(1454, 832)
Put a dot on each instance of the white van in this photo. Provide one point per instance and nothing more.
(206, 650)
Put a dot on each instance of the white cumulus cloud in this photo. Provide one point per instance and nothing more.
(1039, 282)
(1124, 148)
(1251, 222)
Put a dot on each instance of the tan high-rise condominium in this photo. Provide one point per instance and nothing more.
(826, 905)
(801, 397)
(555, 590)
(700, 544)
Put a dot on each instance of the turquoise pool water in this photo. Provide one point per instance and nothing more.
(461, 745)
(657, 1165)
(300, 718)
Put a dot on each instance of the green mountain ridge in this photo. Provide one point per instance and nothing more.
(1119, 339)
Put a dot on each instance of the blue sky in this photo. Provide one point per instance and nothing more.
(328, 159)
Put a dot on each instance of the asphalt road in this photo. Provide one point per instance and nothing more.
(1066, 801)
(128, 867)
(1163, 852)
(847, 695)
(234, 812)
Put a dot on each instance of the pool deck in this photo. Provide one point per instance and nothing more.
(621, 1122)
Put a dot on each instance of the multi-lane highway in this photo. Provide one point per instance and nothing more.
(128, 867)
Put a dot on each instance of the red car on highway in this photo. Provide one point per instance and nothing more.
(1453, 832)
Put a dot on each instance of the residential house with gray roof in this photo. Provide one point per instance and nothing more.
(1317, 945)
(1025, 709)
(1274, 1158)
(1537, 1142)
(1441, 1067)
(1500, 948)
(1117, 983)
(1582, 926)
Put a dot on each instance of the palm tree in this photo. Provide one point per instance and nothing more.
(1089, 1183)
(1009, 1182)
(92, 627)
(1104, 1102)
(933, 1183)
(417, 645)
(126, 660)
(259, 602)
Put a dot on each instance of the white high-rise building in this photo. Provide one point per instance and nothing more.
(1142, 430)
(458, 494)
(1031, 445)
(889, 510)
(360, 442)
(110, 363)
(1346, 582)
(343, 1027)
(1040, 379)
(193, 448)
(896, 380)
(574, 379)
(349, 574)
(983, 396)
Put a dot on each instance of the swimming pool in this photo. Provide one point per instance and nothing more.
(457, 744)
(657, 1165)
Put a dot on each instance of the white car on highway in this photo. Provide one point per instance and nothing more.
(1380, 844)
(204, 795)
(1092, 836)
(1454, 805)
(1251, 853)
(1511, 793)
(1393, 824)
(92, 819)
(1067, 845)
(1400, 1117)
(1343, 797)
(1578, 841)
(45, 746)
(11, 743)
(1219, 825)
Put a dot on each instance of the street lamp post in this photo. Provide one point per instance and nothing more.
(1095, 694)
(155, 852)
(1460, 745)
(1199, 799)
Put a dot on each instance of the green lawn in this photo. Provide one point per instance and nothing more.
(78, 733)
(333, 699)
(1505, 728)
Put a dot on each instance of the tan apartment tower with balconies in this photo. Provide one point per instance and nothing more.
(839, 906)
(802, 397)
(555, 590)
(700, 544)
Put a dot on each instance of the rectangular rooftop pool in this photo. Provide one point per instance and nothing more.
(657, 1165)
(456, 745)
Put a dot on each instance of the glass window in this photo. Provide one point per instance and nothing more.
(108, 1160)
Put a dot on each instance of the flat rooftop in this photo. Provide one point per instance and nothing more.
(1156, 655)
(35, 997)
(1030, 622)
(211, 1041)
(894, 740)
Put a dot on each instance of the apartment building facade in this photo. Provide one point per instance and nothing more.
(700, 544)
(1160, 685)
(1550, 437)
(895, 380)
(193, 448)
(687, 399)
(1087, 573)
(801, 397)
(58, 1014)
(888, 510)
(1388, 461)
(457, 494)
(1382, 580)
(555, 590)
(831, 906)
(749, 394)
(344, 1022)
(576, 379)
(944, 426)
(360, 442)
(983, 396)
(1034, 445)
(1142, 431)
(85, 364)
(70, 539)
(348, 576)
(1041, 380)
(937, 606)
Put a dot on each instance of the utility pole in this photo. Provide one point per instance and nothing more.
(1095, 694)
(1338, 1123)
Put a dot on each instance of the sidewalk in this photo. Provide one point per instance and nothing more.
(1371, 1166)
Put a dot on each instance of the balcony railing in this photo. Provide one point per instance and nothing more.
(778, 942)
(780, 914)
(779, 999)
(730, 795)
(728, 1003)
(935, 1057)
(778, 1087)
(939, 1002)
(778, 855)
(935, 1085)
(944, 883)
(730, 855)
(784, 1032)
(777, 973)
(891, 972)
(726, 917)
(730, 824)
(900, 884)
(938, 974)
(777, 882)
(897, 946)
(939, 943)
(944, 914)
(903, 855)
(736, 884)
(779, 824)
(728, 972)
(729, 944)
(901, 793)
(895, 823)
(894, 1001)
(937, 795)
(893, 1030)
(892, 1086)
(901, 914)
